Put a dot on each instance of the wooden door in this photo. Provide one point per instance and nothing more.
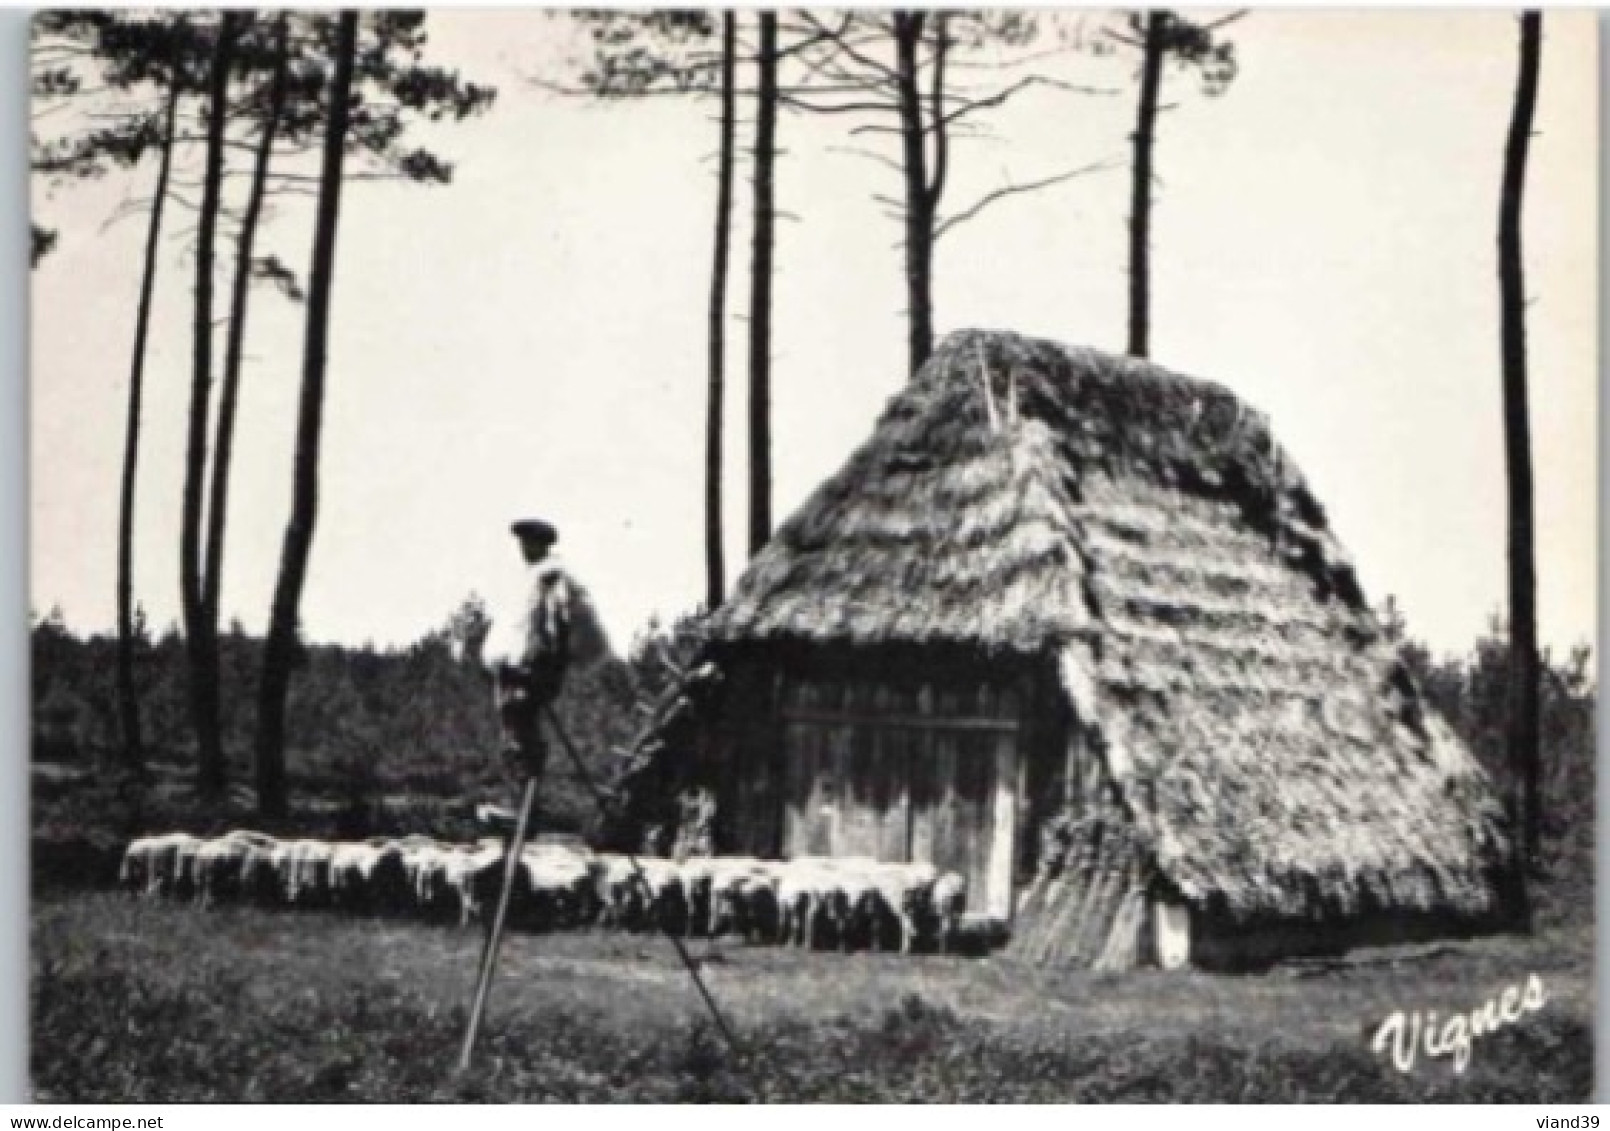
(963, 811)
(865, 778)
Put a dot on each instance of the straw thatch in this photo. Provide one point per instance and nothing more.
(1144, 532)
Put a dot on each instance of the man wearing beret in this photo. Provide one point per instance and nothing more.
(535, 630)
(539, 627)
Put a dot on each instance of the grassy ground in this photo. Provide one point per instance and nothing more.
(147, 1001)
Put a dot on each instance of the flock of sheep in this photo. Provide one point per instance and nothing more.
(814, 901)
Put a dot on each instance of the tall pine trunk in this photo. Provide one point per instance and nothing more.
(281, 647)
(200, 646)
(1523, 669)
(229, 393)
(918, 203)
(1140, 195)
(128, 702)
(760, 273)
(715, 559)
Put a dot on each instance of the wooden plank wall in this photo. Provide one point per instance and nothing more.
(742, 757)
(898, 763)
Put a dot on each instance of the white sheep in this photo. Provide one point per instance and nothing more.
(150, 863)
(183, 881)
(217, 869)
(259, 871)
(304, 868)
(472, 879)
(949, 903)
(698, 882)
(905, 892)
(556, 887)
(619, 894)
(862, 899)
(867, 891)
(664, 898)
(758, 910)
(809, 897)
(421, 857)
(734, 899)
(430, 866)
(368, 877)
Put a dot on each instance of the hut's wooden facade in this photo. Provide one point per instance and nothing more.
(893, 754)
(1074, 626)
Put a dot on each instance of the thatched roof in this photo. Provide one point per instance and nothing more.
(1145, 532)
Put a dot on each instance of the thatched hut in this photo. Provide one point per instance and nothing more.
(1074, 625)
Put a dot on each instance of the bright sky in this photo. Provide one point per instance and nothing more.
(531, 338)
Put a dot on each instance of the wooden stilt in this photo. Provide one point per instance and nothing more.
(489, 952)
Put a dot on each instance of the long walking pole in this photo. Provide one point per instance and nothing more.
(691, 966)
(489, 953)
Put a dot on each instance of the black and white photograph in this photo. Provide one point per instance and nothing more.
(783, 555)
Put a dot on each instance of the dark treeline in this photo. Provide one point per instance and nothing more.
(1472, 693)
(371, 732)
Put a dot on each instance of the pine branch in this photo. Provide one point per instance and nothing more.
(1015, 190)
(872, 155)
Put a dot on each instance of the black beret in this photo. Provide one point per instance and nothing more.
(535, 528)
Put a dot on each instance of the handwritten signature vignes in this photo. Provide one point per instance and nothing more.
(1408, 1033)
